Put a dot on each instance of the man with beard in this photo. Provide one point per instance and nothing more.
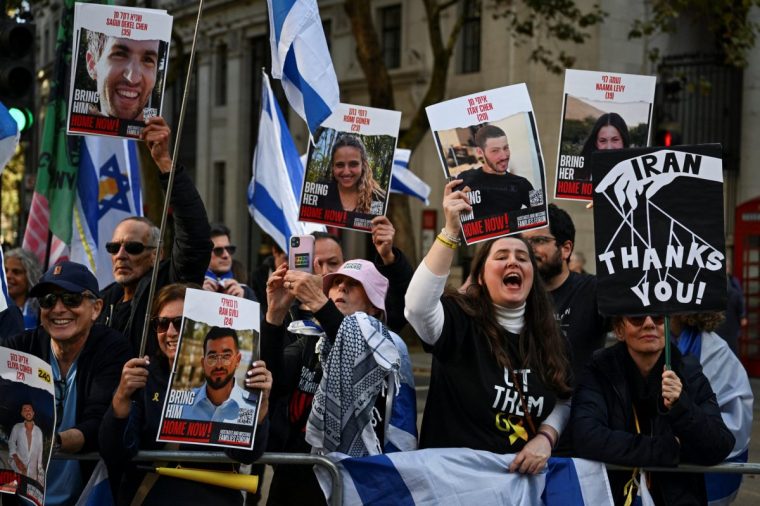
(574, 294)
(493, 189)
(25, 446)
(219, 399)
(125, 72)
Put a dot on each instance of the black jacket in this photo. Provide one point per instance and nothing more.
(603, 426)
(98, 372)
(122, 438)
(188, 263)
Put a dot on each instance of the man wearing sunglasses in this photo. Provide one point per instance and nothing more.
(86, 360)
(219, 398)
(133, 247)
(219, 275)
(574, 294)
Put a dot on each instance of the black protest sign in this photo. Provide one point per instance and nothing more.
(658, 225)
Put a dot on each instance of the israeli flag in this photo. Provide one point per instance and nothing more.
(275, 188)
(404, 181)
(464, 476)
(9, 136)
(108, 190)
(300, 58)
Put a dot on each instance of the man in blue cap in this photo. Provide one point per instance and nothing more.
(86, 360)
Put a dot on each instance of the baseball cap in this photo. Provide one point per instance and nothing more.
(70, 276)
(374, 283)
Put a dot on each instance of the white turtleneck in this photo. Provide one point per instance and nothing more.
(512, 319)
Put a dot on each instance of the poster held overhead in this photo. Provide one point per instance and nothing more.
(119, 60)
(348, 172)
(600, 111)
(490, 141)
(28, 419)
(658, 227)
(206, 401)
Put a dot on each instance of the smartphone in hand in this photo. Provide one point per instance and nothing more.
(301, 253)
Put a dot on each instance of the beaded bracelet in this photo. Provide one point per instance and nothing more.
(451, 238)
(446, 242)
(548, 436)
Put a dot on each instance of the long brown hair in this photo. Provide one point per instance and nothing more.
(366, 186)
(541, 345)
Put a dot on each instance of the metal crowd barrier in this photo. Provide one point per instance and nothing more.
(727, 468)
(336, 499)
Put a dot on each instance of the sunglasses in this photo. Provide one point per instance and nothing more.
(161, 323)
(219, 250)
(131, 247)
(69, 299)
(638, 321)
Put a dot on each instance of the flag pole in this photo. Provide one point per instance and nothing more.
(170, 183)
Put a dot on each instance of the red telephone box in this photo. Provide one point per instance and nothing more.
(747, 269)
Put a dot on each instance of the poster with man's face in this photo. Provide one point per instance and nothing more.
(118, 72)
(489, 140)
(600, 111)
(206, 402)
(348, 172)
(27, 424)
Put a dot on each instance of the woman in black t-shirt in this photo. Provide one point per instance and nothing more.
(500, 375)
(351, 186)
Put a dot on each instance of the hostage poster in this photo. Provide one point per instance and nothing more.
(658, 226)
(120, 57)
(600, 111)
(206, 401)
(27, 424)
(348, 172)
(489, 140)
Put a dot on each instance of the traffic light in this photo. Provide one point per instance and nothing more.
(17, 79)
(668, 134)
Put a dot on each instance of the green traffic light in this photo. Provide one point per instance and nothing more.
(23, 118)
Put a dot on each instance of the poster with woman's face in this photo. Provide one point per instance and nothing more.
(489, 140)
(348, 172)
(600, 111)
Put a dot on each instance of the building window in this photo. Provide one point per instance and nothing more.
(469, 39)
(220, 190)
(390, 33)
(221, 75)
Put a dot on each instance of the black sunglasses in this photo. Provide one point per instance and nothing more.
(219, 250)
(131, 247)
(69, 299)
(161, 323)
(638, 321)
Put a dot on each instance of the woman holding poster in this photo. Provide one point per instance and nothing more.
(629, 410)
(351, 186)
(132, 421)
(500, 378)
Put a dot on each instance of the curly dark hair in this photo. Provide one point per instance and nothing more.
(541, 346)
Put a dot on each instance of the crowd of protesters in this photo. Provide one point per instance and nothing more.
(519, 364)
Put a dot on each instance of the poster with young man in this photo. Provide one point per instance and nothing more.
(206, 401)
(348, 172)
(27, 424)
(600, 111)
(118, 72)
(658, 227)
(489, 140)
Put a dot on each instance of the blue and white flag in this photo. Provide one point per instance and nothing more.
(301, 59)
(404, 181)
(275, 189)
(9, 135)
(463, 476)
(97, 492)
(4, 300)
(108, 190)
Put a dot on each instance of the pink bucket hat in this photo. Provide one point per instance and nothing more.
(374, 283)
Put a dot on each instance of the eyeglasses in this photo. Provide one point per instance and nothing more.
(60, 396)
(70, 300)
(131, 247)
(161, 323)
(219, 250)
(224, 359)
(638, 321)
(540, 240)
